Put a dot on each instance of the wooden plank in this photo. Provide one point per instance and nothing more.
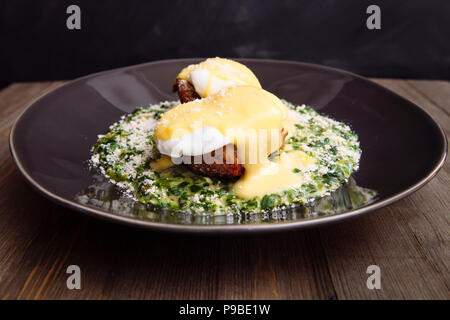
(19, 263)
(428, 101)
(155, 271)
(437, 92)
(275, 266)
(121, 263)
(116, 262)
(38, 240)
(408, 240)
(12, 102)
(411, 251)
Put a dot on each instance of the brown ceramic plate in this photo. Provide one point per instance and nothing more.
(402, 147)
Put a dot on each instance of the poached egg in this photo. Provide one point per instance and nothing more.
(214, 74)
(234, 110)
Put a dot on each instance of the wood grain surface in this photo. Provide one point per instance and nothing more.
(409, 240)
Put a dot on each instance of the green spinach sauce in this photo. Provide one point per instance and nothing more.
(126, 152)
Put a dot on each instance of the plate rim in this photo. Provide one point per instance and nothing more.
(224, 228)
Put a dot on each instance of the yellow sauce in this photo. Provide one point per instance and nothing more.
(235, 112)
(248, 116)
(271, 176)
(222, 69)
(162, 163)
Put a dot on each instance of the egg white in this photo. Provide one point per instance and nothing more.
(201, 79)
(200, 141)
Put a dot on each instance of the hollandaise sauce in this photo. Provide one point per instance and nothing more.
(213, 74)
(318, 156)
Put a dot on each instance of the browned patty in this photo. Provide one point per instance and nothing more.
(186, 91)
(225, 165)
(224, 169)
(230, 169)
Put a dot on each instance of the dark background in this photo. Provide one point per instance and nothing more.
(414, 41)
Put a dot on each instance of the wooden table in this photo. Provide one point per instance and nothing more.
(409, 241)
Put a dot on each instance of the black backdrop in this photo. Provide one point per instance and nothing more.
(414, 41)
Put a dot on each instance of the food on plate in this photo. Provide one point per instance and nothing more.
(208, 77)
(225, 163)
(202, 80)
(229, 147)
(186, 91)
(236, 113)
